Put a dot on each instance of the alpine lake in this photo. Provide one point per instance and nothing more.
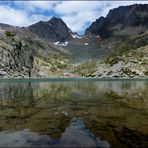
(74, 112)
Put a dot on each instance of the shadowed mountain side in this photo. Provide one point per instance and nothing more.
(121, 21)
(54, 30)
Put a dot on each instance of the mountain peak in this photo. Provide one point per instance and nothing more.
(54, 18)
(124, 20)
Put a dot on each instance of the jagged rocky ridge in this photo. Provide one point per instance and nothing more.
(124, 20)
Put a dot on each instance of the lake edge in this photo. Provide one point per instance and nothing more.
(71, 79)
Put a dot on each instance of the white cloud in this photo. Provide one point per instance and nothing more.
(33, 5)
(38, 17)
(42, 4)
(19, 17)
(12, 16)
(77, 22)
(67, 7)
(77, 13)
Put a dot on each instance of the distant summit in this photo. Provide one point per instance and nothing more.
(54, 30)
(124, 20)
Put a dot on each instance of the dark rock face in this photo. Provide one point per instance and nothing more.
(53, 30)
(121, 18)
(95, 26)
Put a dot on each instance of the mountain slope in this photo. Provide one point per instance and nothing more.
(128, 59)
(124, 31)
(30, 57)
(124, 20)
(54, 30)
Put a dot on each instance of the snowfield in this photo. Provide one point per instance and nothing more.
(61, 43)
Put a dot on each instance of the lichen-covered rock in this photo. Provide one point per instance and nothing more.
(134, 64)
(16, 57)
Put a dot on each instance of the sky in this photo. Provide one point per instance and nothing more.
(78, 15)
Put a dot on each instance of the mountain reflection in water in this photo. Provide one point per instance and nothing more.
(76, 135)
(114, 111)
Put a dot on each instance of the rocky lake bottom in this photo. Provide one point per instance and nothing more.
(74, 113)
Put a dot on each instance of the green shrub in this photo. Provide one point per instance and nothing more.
(114, 60)
(9, 34)
(146, 73)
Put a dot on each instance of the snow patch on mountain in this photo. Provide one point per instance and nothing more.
(61, 43)
(76, 36)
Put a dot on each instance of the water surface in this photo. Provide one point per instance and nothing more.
(98, 113)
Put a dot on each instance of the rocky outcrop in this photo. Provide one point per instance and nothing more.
(124, 20)
(30, 57)
(126, 59)
(54, 30)
(16, 57)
